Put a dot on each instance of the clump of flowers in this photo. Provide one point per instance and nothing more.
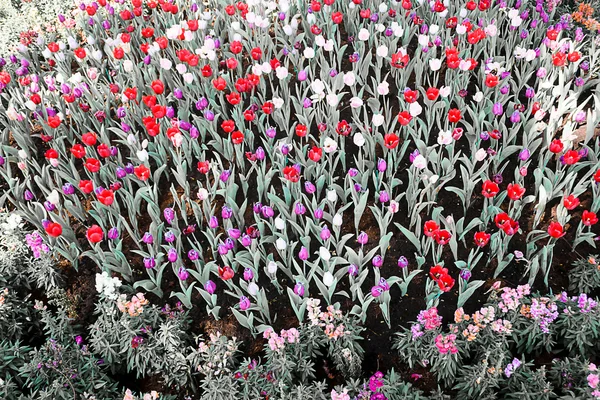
(133, 307)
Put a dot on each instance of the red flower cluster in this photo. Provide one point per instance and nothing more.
(440, 276)
(432, 230)
(506, 223)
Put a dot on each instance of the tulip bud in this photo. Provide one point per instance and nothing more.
(149, 263)
(183, 274)
(210, 286)
(299, 289)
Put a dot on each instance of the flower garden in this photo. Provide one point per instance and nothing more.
(322, 199)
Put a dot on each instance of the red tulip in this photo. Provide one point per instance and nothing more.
(559, 59)
(337, 17)
(78, 151)
(157, 86)
(501, 219)
(482, 239)
(571, 157)
(515, 191)
(404, 118)
(233, 98)
(454, 115)
(51, 153)
(491, 80)
(400, 60)
(103, 150)
(54, 229)
(555, 230)
(147, 33)
(489, 189)
(86, 186)
(430, 228)
(552, 34)
(54, 122)
(237, 137)
(206, 71)
(442, 236)
(268, 107)
(226, 273)
(436, 272)
(589, 218)
(256, 53)
(433, 93)
(79, 52)
(556, 146)
(219, 84)
(130, 93)
(391, 140)
(315, 153)
(300, 130)
(228, 126)
(142, 172)
(291, 174)
(95, 234)
(203, 167)
(445, 283)
(89, 138)
(92, 165)
(574, 56)
(597, 176)
(106, 197)
(570, 202)
(510, 227)
(410, 96)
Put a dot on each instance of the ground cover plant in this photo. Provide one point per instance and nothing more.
(255, 199)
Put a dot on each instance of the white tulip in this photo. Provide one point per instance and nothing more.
(279, 223)
(480, 155)
(324, 254)
(383, 88)
(349, 78)
(337, 220)
(363, 34)
(378, 119)
(202, 194)
(332, 195)
(54, 197)
(415, 109)
(420, 162)
(253, 288)
(281, 244)
(435, 64)
(356, 102)
(272, 267)
(328, 279)
(359, 139)
(382, 51)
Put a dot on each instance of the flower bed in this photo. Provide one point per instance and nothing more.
(245, 164)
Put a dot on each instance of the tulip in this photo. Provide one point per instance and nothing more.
(299, 289)
(352, 270)
(172, 255)
(246, 240)
(183, 274)
(113, 233)
(363, 238)
(328, 279)
(402, 262)
(210, 287)
(377, 261)
(193, 255)
(149, 263)
(244, 303)
(381, 165)
(148, 238)
(376, 291)
(309, 187)
(169, 215)
(325, 233)
(248, 274)
(497, 109)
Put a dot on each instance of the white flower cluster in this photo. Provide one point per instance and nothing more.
(13, 222)
(107, 285)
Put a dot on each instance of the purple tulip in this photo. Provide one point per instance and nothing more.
(363, 238)
(68, 188)
(325, 233)
(413, 155)
(309, 187)
(383, 284)
(225, 175)
(303, 254)
(497, 109)
(465, 274)
(226, 212)
(172, 255)
(352, 270)
(49, 206)
(260, 153)
(121, 172)
(484, 135)
(149, 263)
(299, 289)
(169, 237)
(193, 255)
(376, 291)
(148, 238)
(169, 215)
(352, 172)
(229, 243)
(113, 233)
(223, 250)
(299, 209)
(267, 212)
(244, 303)
(194, 133)
(234, 233)
(183, 274)
(248, 274)
(524, 155)
(271, 132)
(28, 196)
(402, 262)
(515, 117)
(318, 214)
(210, 286)
(246, 240)
(302, 75)
(257, 207)
(2, 161)
(377, 261)
(178, 93)
(384, 197)
(529, 93)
